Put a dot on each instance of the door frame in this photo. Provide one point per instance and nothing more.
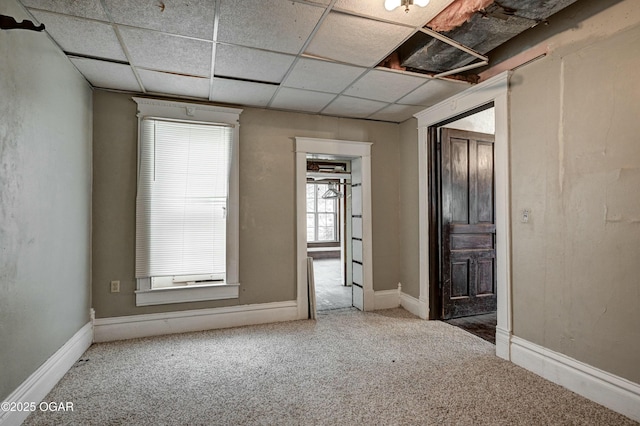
(339, 149)
(494, 90)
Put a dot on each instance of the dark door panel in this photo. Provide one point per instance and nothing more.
(468, 228)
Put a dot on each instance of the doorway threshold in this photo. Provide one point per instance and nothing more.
(483, 326)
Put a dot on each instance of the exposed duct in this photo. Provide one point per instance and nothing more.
(480, 25)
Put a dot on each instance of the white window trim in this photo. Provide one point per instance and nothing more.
(229, 289)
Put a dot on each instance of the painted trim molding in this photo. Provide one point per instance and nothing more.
(135, 326)
(493, 90)
(194, 293)
(419, 308)
(40, 383)
(503, 343)
(616, 393)
(386, 299)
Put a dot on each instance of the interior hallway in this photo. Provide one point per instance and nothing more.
(330, 291)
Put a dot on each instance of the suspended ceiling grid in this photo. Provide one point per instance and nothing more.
(316, 56)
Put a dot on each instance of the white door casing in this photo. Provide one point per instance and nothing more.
(355, 239)
(338, 149)
(493, 90)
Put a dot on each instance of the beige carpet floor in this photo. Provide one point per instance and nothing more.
(346, 368)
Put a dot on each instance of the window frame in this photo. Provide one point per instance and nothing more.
(229, 287)
(316, 213)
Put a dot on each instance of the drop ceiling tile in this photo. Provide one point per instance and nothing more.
(163, 52)
(172, 84)
(107, 75)
(301, 100)
(322, 2)
(81, 36)
(279, 25)
(242, 92)
(353, 107)
(433, 92)
(84, 9)
(417, 16)
(251, 64)
(386, 86)
(192, 18)
(397, 113)
(356, 40)
(322, 76)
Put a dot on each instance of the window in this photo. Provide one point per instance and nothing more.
(321, 213)
(186, 203)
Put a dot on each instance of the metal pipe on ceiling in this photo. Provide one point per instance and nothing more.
(454, 43)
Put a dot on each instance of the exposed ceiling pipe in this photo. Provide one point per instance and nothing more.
(462, 69)
(453, 43)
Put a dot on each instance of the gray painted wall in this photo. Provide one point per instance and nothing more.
(267, 202)
(45, 201)
(575, 163)
(409, 217)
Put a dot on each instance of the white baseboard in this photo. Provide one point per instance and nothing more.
(135, 326)
(40, 383)
(415, 306)
(386, 299)
(503, 344)
(613, 392)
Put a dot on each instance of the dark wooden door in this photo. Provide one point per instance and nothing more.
(467, 224)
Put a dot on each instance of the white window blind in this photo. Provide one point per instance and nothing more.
(182, 198)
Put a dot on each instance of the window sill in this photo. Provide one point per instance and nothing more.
(194, 293)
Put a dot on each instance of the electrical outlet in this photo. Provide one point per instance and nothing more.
(115, 286)
(525, 215)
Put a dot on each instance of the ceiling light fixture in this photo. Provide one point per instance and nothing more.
(392, 4)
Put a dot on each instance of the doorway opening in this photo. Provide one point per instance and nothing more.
(355, 182)
(462, 195)
(328, 206)
(494, 90)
